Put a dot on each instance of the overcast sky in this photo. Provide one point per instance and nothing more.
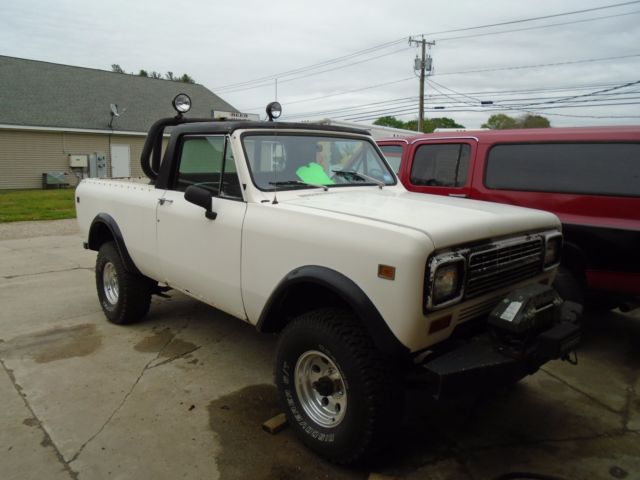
(225, 43)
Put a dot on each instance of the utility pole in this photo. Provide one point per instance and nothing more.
(424, 65)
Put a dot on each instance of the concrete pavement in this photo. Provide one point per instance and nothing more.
(183, 394)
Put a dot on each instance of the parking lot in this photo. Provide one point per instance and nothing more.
(184, 394)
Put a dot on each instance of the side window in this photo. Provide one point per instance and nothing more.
(393, 154)
(585, 168)
(201, 164)
(441, 165)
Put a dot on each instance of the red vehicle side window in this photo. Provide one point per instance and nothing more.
(441, 165)
(579, 168)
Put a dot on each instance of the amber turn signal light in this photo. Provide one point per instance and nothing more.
(387, 272)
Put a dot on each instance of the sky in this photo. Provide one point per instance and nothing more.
(351, 60)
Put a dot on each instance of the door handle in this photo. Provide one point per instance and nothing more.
(162, 201)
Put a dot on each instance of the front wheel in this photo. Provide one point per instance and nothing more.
(337, 389)
(124, 296)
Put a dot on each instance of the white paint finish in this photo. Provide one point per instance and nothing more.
(447, 221)
(132, 205)
(351, 246)
(202, 256)
(120, 161)
(236, 266)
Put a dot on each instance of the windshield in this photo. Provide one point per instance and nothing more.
(290, 161)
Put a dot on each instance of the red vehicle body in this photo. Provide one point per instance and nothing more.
(589, 177)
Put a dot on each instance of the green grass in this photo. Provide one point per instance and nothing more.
(20, 205)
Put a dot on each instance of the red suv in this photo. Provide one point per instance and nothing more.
(589, 177)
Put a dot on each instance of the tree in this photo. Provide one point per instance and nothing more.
(389, 121)
(155, 74)
(500, 121)
(116, 68)
(169, 76)
(143, 73)
(430, 124)
(534, 121)
(186, 79)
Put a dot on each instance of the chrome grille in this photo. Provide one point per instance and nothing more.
(503, 264)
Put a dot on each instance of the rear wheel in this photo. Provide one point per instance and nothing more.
(338, 390)
(125, 297)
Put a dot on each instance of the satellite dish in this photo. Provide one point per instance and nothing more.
(114, 110)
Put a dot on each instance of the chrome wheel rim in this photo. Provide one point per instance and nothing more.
(110, 283)
(321, 389)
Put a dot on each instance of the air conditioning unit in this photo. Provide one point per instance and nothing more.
(78, 161)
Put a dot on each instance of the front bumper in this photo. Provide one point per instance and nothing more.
(485, 361)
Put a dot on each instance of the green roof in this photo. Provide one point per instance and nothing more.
(44, 94)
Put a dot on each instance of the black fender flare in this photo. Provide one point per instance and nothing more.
(96, 237)
(348, 291)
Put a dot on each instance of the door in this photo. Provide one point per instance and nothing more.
(120, 161)
(442, 167)
(198, 255)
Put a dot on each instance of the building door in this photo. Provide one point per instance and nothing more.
(120, 161)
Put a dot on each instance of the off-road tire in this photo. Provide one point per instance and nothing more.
(131, 298)
(373, 397)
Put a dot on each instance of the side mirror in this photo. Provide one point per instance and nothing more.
(201, 197)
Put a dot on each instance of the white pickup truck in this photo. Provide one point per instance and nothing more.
(305, 230)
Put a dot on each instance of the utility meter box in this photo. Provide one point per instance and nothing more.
(78, 161)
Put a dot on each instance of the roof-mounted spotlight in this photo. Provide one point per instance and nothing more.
(274, 110)
(181, 103)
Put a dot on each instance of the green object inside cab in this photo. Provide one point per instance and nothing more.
(313, 173)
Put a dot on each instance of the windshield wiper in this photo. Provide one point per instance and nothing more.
(298, 182)
(346, 173)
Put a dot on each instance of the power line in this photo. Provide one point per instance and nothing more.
(531, 19)
(316, 65)
(304, 100)
(236, 86)
(569, 102)
(319, 72)
(413, 110)
(411, 107)
(476, 35)
(436, 98)
(521, 67)
(497, 69)
(414, 98)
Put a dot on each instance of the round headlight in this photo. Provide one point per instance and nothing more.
(182, 103)
(274, 110)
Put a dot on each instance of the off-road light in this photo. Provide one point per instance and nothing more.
(274, 110)
(182, 103)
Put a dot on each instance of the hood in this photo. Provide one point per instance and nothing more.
(446, 221)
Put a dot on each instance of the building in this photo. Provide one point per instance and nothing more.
(58, 119)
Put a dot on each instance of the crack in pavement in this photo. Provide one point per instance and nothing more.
(47, 438)
(177, 357)
(12, 277)
(576, 389)
(128, 394)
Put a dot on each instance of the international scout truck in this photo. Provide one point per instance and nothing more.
(305, 231)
